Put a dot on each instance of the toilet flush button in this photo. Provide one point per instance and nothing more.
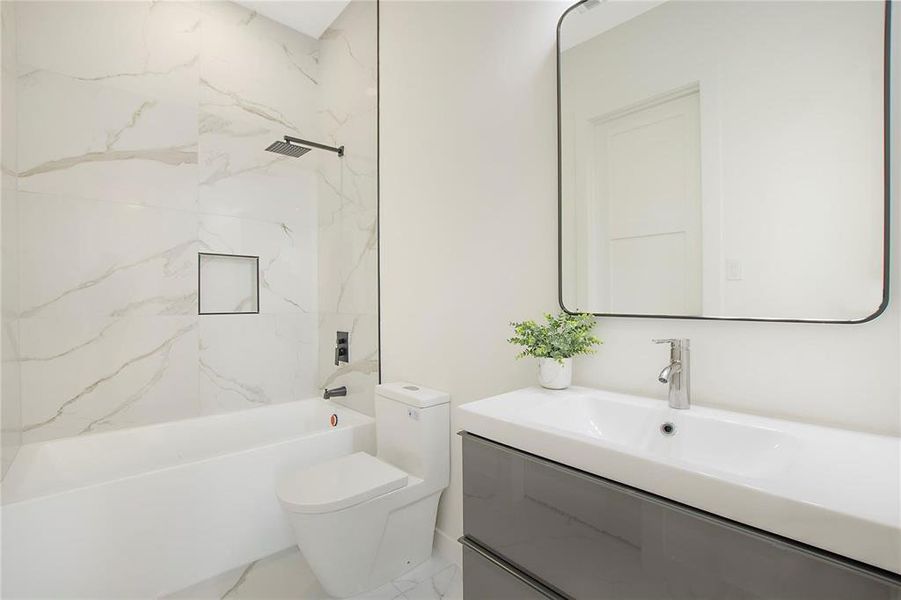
(412, 388)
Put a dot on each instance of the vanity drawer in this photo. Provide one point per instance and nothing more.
(592, 538)
(488, 578)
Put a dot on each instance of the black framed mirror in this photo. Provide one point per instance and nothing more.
(724, 159)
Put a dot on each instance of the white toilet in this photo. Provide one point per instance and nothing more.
(363, 520)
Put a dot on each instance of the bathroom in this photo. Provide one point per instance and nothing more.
(177, 300)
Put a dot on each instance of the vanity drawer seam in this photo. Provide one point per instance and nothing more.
(523, 576)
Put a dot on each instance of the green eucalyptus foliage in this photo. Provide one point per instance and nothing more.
(563, 336)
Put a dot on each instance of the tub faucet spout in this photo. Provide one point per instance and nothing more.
(331, 393)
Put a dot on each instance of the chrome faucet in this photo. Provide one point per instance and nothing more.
(676, 373)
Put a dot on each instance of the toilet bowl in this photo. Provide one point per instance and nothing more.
(362, 520)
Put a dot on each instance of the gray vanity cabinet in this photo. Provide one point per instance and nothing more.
(539, 529)
(490, 577)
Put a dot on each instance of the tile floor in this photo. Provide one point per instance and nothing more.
(286, 575)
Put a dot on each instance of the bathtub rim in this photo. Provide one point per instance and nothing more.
(10, 496)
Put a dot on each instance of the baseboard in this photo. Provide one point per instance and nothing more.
(448, 548)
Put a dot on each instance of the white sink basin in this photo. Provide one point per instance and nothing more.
(698, 440)
(831, 488)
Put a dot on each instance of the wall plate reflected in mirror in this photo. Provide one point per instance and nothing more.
(724, 160)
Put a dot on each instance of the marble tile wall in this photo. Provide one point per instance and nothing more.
(141, 136)
(10, 404)
(348, 203)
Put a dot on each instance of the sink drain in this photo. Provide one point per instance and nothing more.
(668, 428)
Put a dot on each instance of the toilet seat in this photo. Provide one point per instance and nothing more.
(339, 483)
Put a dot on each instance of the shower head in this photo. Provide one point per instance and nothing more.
(296, 147)
(288, 149)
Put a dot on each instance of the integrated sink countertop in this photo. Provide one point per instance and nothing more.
(831, 488)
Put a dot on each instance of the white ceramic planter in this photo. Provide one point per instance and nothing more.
(553, 375)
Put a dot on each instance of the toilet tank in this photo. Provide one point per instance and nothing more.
(412, 426)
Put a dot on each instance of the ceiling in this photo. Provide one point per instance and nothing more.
(311, 17)
(594, 18)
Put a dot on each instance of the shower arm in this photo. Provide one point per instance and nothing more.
(293, 140)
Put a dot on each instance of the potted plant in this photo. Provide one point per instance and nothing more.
(554, 344)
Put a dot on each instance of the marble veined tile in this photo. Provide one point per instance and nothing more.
(435, 579)
(10, 403)
(287, 251)
(348, 263)
(88, 257)
(348, 63)
(9, 250)
(355, 53)
(10, 372)
(348, 190)
(260, 67)
(8, 112)
(282, 575)
(286, 575)
(90, 140)
(250, 360)
(8, 42)
(361, 374)
(348, 113)
(238, 177)
(142, 130)
(150, 48)
(82, 374)
(348, 105)
(10, 393)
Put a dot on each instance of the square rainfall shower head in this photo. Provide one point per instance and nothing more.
(288, 149)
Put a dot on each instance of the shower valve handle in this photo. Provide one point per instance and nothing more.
(342, 347)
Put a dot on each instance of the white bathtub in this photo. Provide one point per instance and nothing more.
(148, 511)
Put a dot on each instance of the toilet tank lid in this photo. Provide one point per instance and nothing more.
(412, 394)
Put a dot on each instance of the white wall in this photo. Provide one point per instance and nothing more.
(468, 212)
(468, 195)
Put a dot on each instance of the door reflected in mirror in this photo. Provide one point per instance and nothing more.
(723, 159)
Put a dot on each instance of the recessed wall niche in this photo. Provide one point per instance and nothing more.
(228, 284)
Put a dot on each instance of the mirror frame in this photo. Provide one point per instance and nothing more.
(887, 223)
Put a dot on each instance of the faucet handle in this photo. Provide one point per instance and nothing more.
(674, 343)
